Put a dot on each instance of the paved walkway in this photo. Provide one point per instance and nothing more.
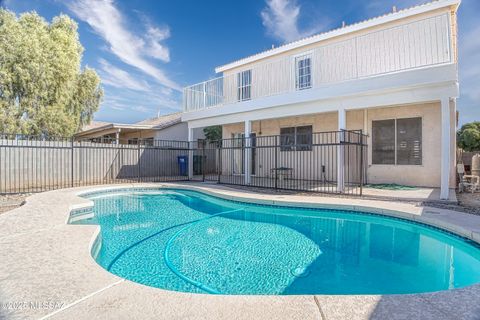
(46, 270)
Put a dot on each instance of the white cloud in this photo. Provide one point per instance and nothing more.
(141, 109)
(154, 47)
(133, 49)
(119, 78)
(281, 17)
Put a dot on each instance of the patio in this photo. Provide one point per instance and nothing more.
(319, 188)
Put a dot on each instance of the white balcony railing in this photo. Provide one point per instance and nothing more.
(412, 45)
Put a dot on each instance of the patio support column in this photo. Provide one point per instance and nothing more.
(248, 152)
(342, 125)
(445, 147)
(117, 137)
(190, 152)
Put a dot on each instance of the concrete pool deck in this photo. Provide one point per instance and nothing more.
(46, 269)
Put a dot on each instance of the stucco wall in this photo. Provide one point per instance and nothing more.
(427, 174)
(142, 134)
(303, 163)
(319, 122)
(177, 132)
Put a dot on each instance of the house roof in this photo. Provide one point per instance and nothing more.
(94, 124)
(156, 123)
(164, 121)
(400, 14)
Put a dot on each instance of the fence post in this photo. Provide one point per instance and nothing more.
(138, 160)
(204, 142)
(275, 168)
(361, 162)
(72, 166)
(219, 146)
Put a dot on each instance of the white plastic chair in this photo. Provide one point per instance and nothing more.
(467, 182)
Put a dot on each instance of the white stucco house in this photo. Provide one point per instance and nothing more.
(394, 77)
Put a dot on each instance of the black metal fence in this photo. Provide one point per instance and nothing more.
(328, 162)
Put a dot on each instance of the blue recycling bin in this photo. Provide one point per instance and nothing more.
(183, 165)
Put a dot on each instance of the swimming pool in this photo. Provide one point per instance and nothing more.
(188, 241)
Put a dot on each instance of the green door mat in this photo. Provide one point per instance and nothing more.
(390, 186)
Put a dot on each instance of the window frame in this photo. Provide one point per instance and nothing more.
(396, 141)
(243, 87)
(296, 59)
(294, 146)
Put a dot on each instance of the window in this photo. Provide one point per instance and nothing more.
(397, 141)
(148, 142)
(287, 139)
(244, 85)
(383, 142)
(133, 141)
(296, 138)
(303, 72)
(409, 141)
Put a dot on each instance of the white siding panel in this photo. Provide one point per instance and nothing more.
(335, 62)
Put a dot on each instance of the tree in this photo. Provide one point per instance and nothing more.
(468, 137)
(213, 133)
(43, 90)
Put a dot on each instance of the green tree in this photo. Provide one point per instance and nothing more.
(43, 89)
(468, 137)
(213, 133)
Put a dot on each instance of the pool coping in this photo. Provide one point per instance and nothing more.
(90, 291)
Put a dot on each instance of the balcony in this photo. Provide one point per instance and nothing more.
(408, 46)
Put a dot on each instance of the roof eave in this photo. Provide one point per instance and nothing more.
(114, 126)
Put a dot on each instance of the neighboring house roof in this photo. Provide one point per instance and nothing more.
(162, 122)
(94, 124)
(157, 123)
(433, 5)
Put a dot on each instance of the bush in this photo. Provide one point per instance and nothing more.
(468, 137)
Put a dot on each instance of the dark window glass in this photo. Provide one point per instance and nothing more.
(304, 138)
(383, 142)
(409, 141)
(287, 138)
(148, 142)
(296, 138)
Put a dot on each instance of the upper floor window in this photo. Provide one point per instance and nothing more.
(296, 138)
(244, 85)
(397, 141)
(303, 72)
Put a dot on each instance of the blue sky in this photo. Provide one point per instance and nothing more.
(146, 51)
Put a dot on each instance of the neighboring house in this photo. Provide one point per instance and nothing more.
(167, 127)
(394, 77)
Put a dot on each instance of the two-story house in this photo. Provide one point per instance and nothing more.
(394, 77)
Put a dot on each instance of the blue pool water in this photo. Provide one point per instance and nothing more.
(188, 241)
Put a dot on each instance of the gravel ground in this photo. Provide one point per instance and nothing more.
(470, 201)
(11, 201)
